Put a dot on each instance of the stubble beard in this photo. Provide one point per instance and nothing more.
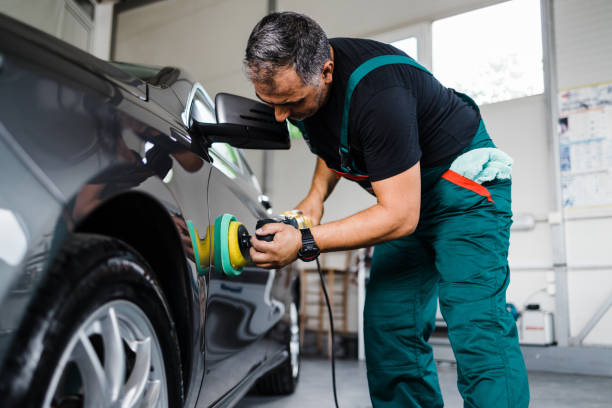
(321, 99)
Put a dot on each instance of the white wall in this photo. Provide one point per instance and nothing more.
(61, 18)
(206, 37)
(584, 56)
(583, 34)
(518, 127)
(45, 16)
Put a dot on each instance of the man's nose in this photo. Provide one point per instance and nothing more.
(281, 113)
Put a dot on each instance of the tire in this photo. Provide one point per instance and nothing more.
(98, 332)
(283, 379)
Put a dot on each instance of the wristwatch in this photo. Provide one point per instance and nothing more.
(309, 251)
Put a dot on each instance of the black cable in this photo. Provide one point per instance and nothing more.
(331, 328)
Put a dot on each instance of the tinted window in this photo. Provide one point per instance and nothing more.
(228, 153)
(202, 111)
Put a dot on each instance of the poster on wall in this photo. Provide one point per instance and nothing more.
(585, 130)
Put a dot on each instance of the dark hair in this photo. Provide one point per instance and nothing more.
(286, 39)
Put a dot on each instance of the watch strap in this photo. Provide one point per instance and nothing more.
(309, 251)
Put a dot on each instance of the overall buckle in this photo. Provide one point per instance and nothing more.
(345, 160)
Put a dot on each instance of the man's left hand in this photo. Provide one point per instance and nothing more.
(277, 253)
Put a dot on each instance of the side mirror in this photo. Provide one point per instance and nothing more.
(244, 123)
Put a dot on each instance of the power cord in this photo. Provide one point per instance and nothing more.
(331, 328)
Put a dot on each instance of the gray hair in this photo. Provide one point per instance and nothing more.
(283, 40)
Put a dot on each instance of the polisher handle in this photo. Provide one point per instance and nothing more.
(261, 223)
(289, 217)
(267, 238)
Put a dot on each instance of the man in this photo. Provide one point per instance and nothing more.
(375, 116)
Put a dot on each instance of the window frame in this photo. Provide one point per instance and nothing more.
(420, 31)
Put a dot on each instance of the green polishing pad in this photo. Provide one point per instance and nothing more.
(222, 255)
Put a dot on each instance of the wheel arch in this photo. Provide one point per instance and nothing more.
(129, 218)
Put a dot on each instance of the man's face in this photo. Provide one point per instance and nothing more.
(290, 97)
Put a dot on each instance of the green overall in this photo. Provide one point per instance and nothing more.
(459, 254)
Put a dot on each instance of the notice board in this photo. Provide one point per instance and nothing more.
(585, 130)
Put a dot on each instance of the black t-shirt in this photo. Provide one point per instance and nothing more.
(399, 115)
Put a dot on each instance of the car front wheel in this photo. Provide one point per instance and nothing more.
(98, 334)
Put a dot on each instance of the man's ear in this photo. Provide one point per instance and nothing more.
(328, 69)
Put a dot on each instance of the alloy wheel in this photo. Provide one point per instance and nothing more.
(113, 359)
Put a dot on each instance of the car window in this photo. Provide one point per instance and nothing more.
(203, 111)
(228, 153)
(248, 171)
(245, 164)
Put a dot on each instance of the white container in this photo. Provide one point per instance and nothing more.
(536, 327)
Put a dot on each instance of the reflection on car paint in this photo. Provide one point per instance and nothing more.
(129, 169)
(77, 140)
(13, 241)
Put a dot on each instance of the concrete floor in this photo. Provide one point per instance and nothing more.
(314, 388)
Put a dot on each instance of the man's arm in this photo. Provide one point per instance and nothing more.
(388, 131)
(323, 182)
(395, 215)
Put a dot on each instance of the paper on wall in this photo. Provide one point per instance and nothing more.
(585, 129)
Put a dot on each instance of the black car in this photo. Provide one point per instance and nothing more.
(107, 170)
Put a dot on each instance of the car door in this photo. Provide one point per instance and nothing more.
(187, 181)
(240, 310)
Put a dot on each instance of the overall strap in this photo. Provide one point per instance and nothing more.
(302, 128)
(346, 164)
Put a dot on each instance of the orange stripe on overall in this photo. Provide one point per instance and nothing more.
(350, 176)
(465, 182)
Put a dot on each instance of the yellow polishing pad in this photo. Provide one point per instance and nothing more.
(235, 255)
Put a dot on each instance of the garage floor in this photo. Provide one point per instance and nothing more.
(314, 389)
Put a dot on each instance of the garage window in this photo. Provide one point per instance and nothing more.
(408, 45)
(492, 54)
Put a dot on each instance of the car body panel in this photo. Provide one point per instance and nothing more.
(76, 135)
(98, 159)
